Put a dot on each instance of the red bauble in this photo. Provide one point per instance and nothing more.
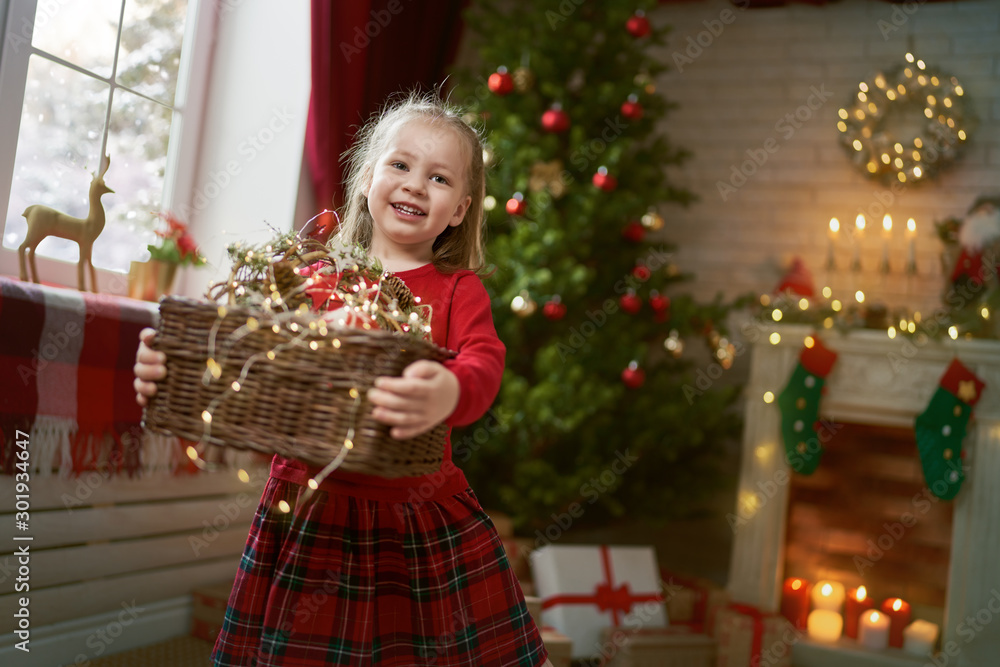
(500, 82)
(660, 305)
(516, 204)
(641, 273)
(604, 180)
(633, 376)
(630, 302)
(632, 110)
(555, 120)
(634, 232)
(554, 309)
(638, 25)
(658, 302)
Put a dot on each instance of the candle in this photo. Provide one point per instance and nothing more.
(795, 602)
(832, 236)
(859, 232)
(919, 637)
(898, 612)
(886, 235)
(828, 595)
(825, 625)
(911, 233)
(874, 630)
(857, 602)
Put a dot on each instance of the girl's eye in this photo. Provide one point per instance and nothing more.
(440, 179)
(397, 165)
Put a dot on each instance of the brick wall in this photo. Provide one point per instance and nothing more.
(735, 89)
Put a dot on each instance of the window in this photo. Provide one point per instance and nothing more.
(83, 79)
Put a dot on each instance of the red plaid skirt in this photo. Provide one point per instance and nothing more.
(341, 580)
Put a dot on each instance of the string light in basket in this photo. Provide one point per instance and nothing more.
(314, 483)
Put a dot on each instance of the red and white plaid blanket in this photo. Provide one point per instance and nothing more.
(66, 361)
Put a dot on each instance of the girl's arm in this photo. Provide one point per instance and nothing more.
(457, 392)
(480, 361)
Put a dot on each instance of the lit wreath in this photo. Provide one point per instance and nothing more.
(871, 127)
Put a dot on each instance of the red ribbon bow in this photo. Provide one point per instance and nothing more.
(618, 600)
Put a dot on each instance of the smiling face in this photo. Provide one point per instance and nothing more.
(417, 190)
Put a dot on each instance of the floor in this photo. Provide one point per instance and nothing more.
(184, 651)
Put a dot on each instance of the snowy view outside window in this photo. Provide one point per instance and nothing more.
(87, 55)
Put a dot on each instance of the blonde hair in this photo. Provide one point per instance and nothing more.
(456, 248)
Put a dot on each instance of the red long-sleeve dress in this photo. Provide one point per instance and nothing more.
(388, 572)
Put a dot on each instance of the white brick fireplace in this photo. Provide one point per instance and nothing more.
(885, 382)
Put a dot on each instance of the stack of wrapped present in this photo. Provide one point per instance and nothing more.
(749, 636)
(608, 601)
(691, 600)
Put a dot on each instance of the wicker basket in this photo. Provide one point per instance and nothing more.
(299, 404)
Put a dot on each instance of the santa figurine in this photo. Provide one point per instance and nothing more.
(979, 240)
(797, 281)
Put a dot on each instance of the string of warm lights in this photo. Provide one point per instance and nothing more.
(851, 313)
(871, 125)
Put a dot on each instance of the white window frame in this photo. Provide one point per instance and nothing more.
(16, 19)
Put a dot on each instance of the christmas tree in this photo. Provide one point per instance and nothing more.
(599, 415)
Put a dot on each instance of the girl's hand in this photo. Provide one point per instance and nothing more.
(150, 366)
(416, 402)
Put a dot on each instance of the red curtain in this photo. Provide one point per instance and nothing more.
(362, 52)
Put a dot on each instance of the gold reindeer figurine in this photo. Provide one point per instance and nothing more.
(44, 221)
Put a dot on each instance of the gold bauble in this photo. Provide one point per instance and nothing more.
(523, 305)
(652, 221)
(524, 79)
(547, 175)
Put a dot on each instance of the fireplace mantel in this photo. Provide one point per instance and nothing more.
(880, 381)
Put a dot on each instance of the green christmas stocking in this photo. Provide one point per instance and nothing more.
(799, 404)
(941, 429)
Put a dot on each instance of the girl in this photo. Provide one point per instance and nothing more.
(374, 571)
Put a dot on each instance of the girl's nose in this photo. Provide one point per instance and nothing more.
(414, 184)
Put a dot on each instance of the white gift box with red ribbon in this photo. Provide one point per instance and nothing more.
(585, 589)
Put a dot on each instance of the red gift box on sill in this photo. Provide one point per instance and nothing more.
(585, 589)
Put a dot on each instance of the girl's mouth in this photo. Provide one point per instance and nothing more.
(408, 210)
